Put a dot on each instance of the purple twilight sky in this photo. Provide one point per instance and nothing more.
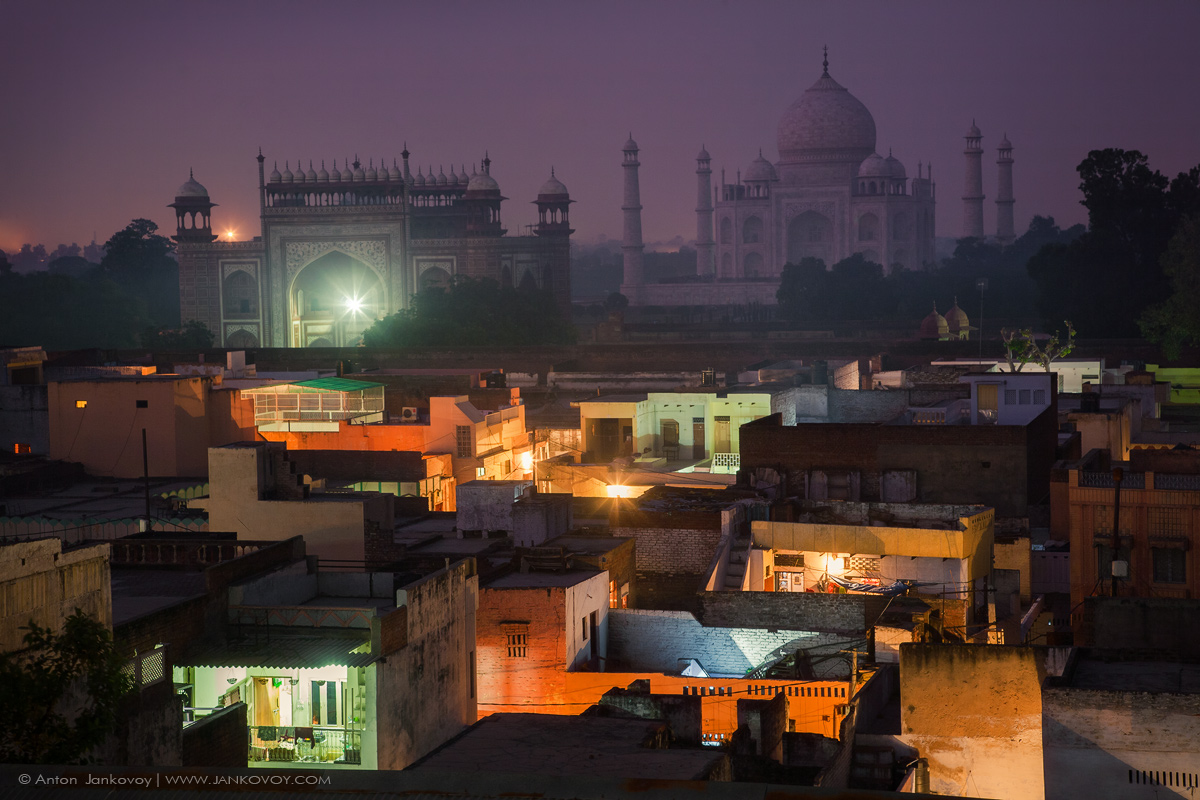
(109, 104)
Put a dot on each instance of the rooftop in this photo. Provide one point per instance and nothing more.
(1110, 674)
(282, 650)
(550, 744)
(533, 580)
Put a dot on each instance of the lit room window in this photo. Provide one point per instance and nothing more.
(81, 403)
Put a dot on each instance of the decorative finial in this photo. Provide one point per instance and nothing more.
(551, 170)
(191, 176)
(825, 63)
(889, 152)
(760, 152)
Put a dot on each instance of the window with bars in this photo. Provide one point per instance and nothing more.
(1039, 397)
(517, 645)
(516, 639)
(1169, 564)
(462, 439)
(1166, 522)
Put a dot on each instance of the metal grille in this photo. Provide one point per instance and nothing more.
(731, 461)
(1177, 482)
(863, 564)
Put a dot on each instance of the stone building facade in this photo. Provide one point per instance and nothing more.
(339, 249)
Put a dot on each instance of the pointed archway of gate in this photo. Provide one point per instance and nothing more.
(333, 299)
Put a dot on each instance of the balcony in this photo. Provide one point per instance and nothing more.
(271, 745)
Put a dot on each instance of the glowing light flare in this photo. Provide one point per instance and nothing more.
(526, 460)
(616, 490)
(354, 304)
(229, 234)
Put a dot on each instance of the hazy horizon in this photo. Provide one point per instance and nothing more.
(109, 110)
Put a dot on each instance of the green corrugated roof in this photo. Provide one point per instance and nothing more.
(337, 384)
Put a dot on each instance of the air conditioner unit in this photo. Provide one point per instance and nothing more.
(1120, 569)
(408, 414)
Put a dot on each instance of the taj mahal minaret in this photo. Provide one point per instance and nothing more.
(706, 262)
(1005, 232)
(973, 190)
(631, 244)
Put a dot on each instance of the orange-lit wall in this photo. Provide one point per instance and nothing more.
(354, 437)
(230, 418)
(554, 616)
(812, 705)
(106, 435)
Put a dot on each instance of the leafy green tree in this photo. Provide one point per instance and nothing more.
(473, 312)
(1105, 279)
(1021, 347)
(616, 302)
(802, 289)
(143, 262)
(60, 695)
(194, 335)
(62, 312)
(137, 249)
(1175, 323)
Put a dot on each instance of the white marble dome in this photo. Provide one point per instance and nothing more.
(192, 188)
(553, 187)
(874, 166)
(482, 182)
(760, 170)
(826, 123)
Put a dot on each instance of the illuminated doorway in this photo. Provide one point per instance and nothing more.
(333, 300)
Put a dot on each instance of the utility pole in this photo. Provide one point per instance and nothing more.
(981, 285)
(1117, 475)
(146, 476)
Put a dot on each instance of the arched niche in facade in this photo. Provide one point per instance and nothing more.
(752, 230)
(334, 298)
(868, 228)
(809, 235)
(239, 295)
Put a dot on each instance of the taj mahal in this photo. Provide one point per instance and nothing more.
(829, 195)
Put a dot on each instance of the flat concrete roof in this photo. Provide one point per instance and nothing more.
(138, 592)
(1170, 677)
(552, 744)
(533, 580)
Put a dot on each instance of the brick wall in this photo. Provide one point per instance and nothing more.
(673, 550)
(183, 623)
(661, 641)
(1004, 466)
(535, 678)
(828, 613)
(218, 740)
(667, 591)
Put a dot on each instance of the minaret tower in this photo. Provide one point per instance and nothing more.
(1005, 233)
(706, 263)
(973, 191)
(631, 245)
